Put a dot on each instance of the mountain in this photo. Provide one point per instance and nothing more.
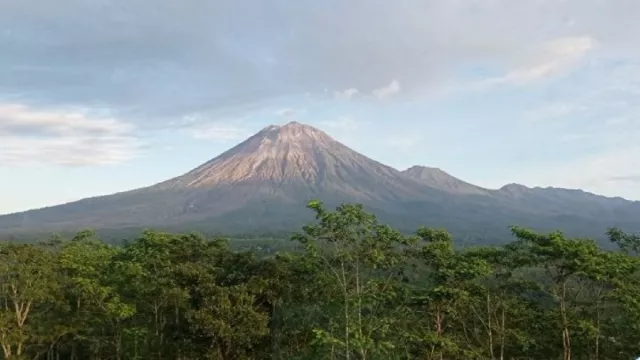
(263, 183)
(296, 160)
(439, 179)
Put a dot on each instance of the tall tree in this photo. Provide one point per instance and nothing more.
(363, 259)
(28, 290)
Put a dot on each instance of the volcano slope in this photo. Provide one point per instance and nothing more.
(262, 185)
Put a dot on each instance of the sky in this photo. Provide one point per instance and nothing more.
(101, 96)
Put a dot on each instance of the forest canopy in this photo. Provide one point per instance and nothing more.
(351, 288)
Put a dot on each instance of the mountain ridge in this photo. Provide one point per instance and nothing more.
(268, 178)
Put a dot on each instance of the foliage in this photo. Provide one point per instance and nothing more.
(347, 287)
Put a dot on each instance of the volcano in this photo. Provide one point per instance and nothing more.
(262, 185)
(295, 157)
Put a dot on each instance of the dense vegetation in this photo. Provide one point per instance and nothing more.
(352, 289)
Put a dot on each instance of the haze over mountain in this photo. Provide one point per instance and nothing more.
(263, 183)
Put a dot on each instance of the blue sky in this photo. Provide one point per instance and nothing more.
(103, 96)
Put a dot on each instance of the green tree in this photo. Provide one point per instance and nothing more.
(96, 309)
(363, 259)
(449, 282)
(29, 287)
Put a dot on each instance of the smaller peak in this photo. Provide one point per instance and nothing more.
(437, 178)
(513, 187)
(423, 168)
(425, 171)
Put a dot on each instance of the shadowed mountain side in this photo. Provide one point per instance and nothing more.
(555, 201)
(542, 201)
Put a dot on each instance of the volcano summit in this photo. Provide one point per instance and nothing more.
(299, 157)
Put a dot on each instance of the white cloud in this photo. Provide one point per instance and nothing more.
(14, 116)
(336, 45)
(555, 57)
(387, 91)
(73, 138)
(550, 59)
(419, 44)
(346, 94)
